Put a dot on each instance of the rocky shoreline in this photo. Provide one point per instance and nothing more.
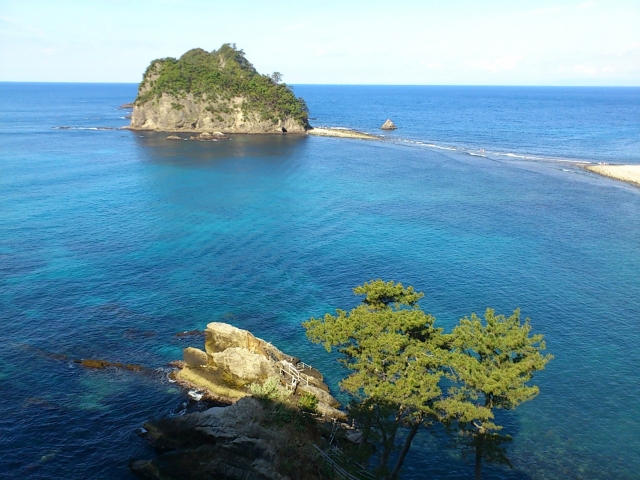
(259, 429)
(208, 135)
(204, 134)
(203, 137)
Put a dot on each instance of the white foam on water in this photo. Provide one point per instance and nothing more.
(64, 127)
(431, 145)
(195, 395)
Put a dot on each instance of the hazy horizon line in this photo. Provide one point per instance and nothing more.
(362, 84)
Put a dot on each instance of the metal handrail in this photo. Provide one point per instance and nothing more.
(302, 366)
(337, 469)
(289, 368)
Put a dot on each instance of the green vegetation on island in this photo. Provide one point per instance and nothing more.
(405, 372)
(222, 84)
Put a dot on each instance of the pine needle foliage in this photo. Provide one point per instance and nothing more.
(308, 402)
(394, 355)
(405, 372)
(491, 364)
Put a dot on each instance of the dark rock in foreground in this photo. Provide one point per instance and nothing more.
(264, 433)
(244, 441)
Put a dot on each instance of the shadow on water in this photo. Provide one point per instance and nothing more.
(156, 148)
(434, 454)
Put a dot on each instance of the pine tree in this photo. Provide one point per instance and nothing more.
(394, 355)
(491, 363)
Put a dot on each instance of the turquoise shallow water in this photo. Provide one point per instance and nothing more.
(113, 241)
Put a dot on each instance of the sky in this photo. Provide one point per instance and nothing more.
(457, 42)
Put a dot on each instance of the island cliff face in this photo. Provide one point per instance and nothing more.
(216, 91)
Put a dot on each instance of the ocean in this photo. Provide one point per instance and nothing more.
(112, 242)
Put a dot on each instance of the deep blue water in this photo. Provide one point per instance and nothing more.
(592, 124)
(113, 241)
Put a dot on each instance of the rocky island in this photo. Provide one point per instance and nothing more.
(215, 91)
(272, 418)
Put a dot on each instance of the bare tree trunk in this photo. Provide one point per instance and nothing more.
(388, 444)
(405, 449)
(366, 431)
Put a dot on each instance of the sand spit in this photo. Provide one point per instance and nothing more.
(626, 173)
(342, 133)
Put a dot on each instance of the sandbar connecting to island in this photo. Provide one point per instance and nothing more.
(342, 133)
(626, 173)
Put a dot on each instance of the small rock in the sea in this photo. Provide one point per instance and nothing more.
(90, 363)
(174, 137)
(388, 125)
(209, 137)
(132, 367)
(101, 364)
(190, 333)
(127, 105)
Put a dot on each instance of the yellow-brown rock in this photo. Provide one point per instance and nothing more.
(388, 125)
(195, 357)
(220, 336)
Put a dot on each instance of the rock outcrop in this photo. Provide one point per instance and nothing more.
(209, 137)
(388, 125)
(215, 91)
(233, 359)
(237, 442)
(263, 437)
(243, 367)
(195, 357)
(220, 336)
